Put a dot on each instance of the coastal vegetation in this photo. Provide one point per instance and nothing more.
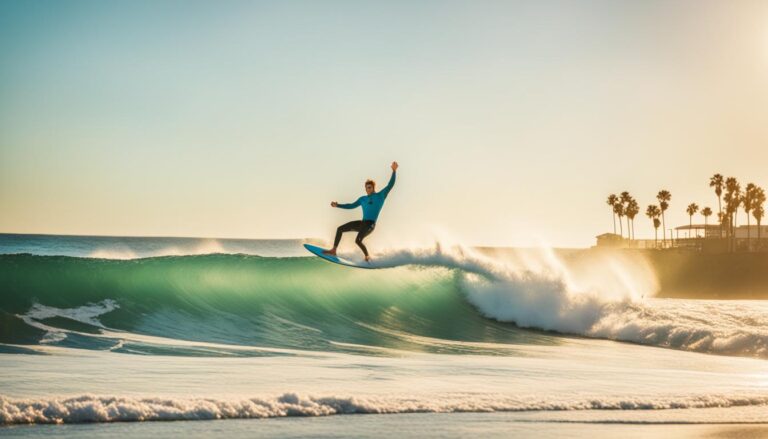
(664, 197)
(691, 211)
(653, 212)
(706, 213)
(731, 198)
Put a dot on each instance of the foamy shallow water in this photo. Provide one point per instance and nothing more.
(419, 425)
(577, 377)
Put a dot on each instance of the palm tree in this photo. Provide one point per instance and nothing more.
(631, 211)
(758, 211)
(716, 181)
(653, 213)
(748, 203)
(624, 197)
(732, 200)
(721, 220)
(691, 209)
(706, 212)
(727, 221)
(618, 209)
(611, 201)
(664, 196)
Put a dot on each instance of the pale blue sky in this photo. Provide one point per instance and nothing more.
(511, 120)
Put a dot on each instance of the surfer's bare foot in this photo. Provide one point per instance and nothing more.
(331, 252)
(367, 258)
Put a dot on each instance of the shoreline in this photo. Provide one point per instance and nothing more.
(444, 425)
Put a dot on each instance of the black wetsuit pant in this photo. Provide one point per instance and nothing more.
(363, 229)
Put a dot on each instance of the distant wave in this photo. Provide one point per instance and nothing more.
(89, 408)
(437, 299)
(204, 247)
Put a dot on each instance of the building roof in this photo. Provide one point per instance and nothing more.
(610, 235)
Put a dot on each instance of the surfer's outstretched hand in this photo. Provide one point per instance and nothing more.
(394, 166)
(334, 204)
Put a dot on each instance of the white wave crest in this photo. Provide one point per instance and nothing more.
(89, 408)
(609, 296)
(205, 247)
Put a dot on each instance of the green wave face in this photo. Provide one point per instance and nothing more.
(295, 303)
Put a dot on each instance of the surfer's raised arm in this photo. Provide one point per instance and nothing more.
(392, 179)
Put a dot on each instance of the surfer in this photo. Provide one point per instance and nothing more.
(372, 203)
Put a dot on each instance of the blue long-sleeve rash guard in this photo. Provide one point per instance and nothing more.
(373, 203)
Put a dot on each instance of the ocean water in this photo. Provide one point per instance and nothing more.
(102, 335)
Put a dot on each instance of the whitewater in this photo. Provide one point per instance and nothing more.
(121, 330)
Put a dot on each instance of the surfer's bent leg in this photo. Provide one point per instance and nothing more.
(365, 230)
(348, 227)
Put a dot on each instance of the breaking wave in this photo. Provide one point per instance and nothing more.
(440, 295)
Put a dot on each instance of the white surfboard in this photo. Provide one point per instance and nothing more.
(317, 251)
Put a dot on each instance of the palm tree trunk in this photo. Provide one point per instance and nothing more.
(720, 208)
(706, 226)
(629, 234)
(621, 228)
(730, 232)
(614, 223)
(664, 229)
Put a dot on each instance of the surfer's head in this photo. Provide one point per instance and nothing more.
(370, 186)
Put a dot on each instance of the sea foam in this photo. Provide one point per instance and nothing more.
(90, 408)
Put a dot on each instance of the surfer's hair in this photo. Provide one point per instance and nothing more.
(371, 182)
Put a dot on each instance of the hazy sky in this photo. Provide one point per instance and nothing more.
(511, 120)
